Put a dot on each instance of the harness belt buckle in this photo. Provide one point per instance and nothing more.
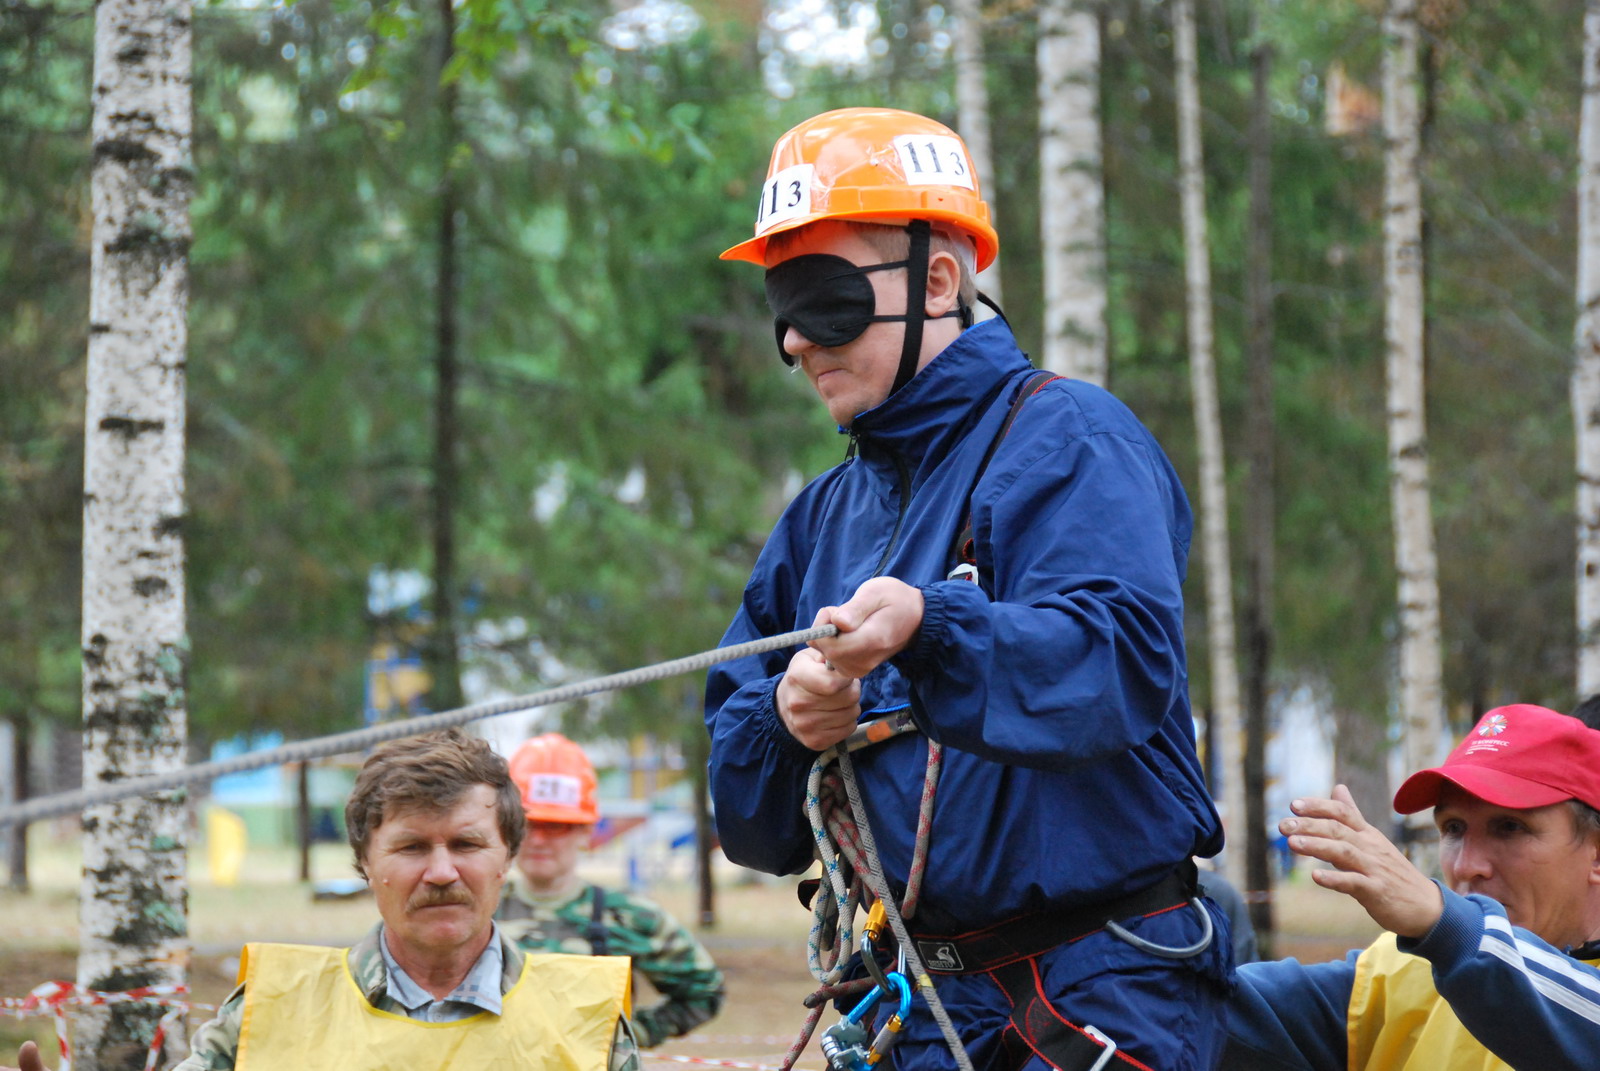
(1106, 1054)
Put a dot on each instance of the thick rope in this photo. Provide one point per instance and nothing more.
(880, 886)
(361, 739)
(919, 847)
(834, 909)
(844, 844)
(803, 1039)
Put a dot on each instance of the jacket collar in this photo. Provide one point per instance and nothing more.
(367, 968)
(923, 418)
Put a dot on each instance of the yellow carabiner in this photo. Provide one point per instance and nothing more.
(877, 918)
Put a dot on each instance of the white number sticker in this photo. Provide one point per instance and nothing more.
(786, 195)
(558, 789)
(934, 158)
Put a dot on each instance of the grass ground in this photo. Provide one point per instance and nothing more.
(758, 939)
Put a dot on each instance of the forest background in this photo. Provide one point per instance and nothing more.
(625, 435)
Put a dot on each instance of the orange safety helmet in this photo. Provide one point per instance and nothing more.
(555, 780)
(876, 165)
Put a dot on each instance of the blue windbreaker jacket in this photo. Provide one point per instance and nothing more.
(1058, 686)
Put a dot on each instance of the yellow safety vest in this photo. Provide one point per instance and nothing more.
(303, 1009)
(1399, 1022)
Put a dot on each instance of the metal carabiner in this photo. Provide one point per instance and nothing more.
(845, 1045)
(877, 918)
(1164, 951)
(895, 1025)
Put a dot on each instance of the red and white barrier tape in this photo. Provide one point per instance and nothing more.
(54, 998)
(704, 1061)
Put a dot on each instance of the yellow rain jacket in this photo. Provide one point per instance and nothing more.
(1399, 1022)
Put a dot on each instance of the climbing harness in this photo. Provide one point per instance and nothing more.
(1008, 953)
(1027, 936)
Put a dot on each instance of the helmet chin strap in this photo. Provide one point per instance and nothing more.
(916, 301)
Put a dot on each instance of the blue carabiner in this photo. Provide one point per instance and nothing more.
(903, 984)
(896, 980)
(867, 1002)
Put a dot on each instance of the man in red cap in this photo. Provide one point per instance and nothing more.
(1499, 966)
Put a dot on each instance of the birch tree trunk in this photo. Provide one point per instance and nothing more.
(972, 114)
(1225, 706)
(1259, 532)
(1586, 362)
(1072, 190)
(133, 908)
(1421, 690)
(444, 646)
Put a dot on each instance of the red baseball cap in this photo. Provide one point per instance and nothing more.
(1520, 756)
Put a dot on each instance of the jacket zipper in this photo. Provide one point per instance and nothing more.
(900, 520)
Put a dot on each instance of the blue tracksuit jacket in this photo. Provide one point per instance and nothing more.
(1531, 1005)
(1058, 686)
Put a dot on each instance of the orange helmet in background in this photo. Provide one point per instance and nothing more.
(555, 780)
(874, 165)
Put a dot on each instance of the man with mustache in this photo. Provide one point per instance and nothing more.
(434, 822)
(1496, 968)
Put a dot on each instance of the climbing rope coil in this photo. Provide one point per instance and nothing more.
(850, 871)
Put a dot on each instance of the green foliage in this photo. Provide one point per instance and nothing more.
(627, 436)
(44, 312)
(595, 349)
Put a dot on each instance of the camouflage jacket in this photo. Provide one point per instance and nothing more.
(215, 1045)
(679, 968)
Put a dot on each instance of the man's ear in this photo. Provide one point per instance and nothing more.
(944, 283)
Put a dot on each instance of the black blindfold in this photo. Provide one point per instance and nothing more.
(826, 298)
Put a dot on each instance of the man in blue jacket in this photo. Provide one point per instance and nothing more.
(1499, 967)
(1025, 608)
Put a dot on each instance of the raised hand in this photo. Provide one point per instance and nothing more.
(1369, 868)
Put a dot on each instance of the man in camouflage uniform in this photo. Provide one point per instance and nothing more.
(547, 907)
(434, 822)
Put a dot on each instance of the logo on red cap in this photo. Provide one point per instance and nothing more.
(1492, 725)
